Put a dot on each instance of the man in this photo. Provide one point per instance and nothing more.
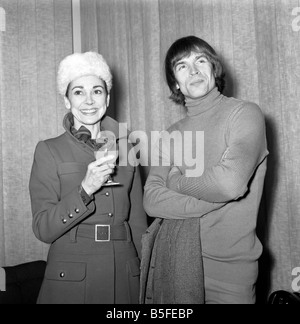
(225, 197)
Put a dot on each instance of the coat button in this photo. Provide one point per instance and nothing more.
(107, 194)
(76, 210)
(110, 214)
(70, 215)
(62, 274)
(64, 221)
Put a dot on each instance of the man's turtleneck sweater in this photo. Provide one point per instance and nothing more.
(235, 153)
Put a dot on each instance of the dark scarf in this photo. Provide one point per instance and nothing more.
(84, 135)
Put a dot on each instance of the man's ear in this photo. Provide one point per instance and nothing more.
(67, 102)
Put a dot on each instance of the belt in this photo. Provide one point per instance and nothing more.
(104, 232)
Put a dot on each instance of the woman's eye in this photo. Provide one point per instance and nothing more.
(98, 92)
(77, 92)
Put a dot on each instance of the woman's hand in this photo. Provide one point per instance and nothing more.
(97, 174)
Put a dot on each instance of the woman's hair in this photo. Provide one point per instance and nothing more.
(182, 48)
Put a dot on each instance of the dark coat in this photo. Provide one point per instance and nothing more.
(171, 266)
(80, 270)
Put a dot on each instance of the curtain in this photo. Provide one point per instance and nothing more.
(259, 44)
(37, 35)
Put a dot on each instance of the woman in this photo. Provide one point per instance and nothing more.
(94, 230)
(218, 200)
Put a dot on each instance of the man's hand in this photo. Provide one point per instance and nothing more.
(173, 178)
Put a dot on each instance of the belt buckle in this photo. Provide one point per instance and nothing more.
(105, 233)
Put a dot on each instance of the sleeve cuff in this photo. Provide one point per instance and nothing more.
(84, 196)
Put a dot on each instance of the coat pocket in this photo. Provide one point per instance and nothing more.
(64, 283)
(66, 271)
(133, 273)
(71, 175)
(71, 167)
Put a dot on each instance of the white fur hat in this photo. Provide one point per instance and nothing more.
(80, 64)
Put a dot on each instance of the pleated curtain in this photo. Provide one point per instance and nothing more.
(259, 43)
(37, 35)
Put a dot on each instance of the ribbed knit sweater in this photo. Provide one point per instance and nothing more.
(227, 194)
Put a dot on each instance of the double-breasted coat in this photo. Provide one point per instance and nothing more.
(81, 269)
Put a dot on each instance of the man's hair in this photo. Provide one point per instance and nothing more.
(182, 48)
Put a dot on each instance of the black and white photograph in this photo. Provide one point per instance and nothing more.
(150, 154)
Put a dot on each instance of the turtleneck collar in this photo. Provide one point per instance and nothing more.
(200, 105)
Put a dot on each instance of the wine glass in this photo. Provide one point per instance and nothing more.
(107, 145)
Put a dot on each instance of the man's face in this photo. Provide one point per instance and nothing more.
(194, 75)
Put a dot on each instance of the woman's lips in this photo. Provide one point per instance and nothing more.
(89, 112)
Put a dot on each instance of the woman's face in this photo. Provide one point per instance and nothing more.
(87, 99)
(194, 75)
